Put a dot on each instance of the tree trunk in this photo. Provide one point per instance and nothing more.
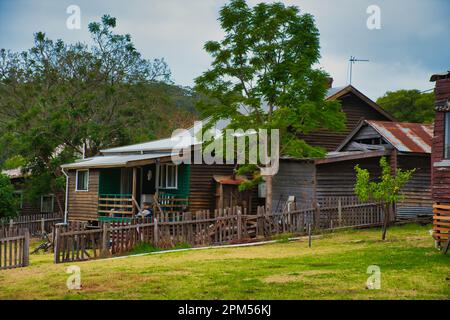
(387, 215)
(268, 180)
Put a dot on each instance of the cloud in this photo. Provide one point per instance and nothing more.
(411, 45)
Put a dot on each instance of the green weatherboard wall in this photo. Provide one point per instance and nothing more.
(110, 181)
(184, 172)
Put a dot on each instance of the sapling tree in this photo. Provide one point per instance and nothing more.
(386, 189)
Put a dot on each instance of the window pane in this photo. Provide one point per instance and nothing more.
(47, 204)
(82, 180)
(162, 176)
(170, 177)
(447, 135)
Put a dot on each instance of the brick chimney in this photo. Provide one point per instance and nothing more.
(442, 91)
(330, 82)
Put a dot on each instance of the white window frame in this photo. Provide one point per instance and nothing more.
(446, 135)
(76, 180)
(176, 176)
(166, 177)
(53, 202)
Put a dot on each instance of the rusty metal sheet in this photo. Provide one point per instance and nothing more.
(404, 136)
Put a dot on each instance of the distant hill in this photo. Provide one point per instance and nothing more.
(162, 109)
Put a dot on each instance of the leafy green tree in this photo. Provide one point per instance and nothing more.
(409, 105)
(13, 162)
(267, 58)
(57, 98)
(8, 201)
(386, 190)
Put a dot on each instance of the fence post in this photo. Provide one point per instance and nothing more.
(340, 212)
(26, 249)
(11, 223)
(56, 244)
(155, 232)
(239, 223)
(105, 239)
(42, 226)
(316, 215)
(309, 236)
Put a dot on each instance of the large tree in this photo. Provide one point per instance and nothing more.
(56, 98)
(409, 105)
(266, 59)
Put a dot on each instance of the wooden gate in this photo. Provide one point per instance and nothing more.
(14, 248)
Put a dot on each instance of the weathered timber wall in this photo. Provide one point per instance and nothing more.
(202, 191)
(338, 178)
(83, 205)
(440, 174)
(294, 178)
(355, 109)
(417, 191)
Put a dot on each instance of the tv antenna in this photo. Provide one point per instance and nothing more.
(351, 62)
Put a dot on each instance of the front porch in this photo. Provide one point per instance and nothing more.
(123, 192)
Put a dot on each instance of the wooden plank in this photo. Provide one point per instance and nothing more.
(441, 229)
(441, 206)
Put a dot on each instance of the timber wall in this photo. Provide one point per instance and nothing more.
(202, 189)
(355, 109)
(293, 179)
(338, 179)
(440, 175)
(83, 205)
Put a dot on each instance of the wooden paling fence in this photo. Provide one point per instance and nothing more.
(35, 223)
(348, 211)
(79, 242)
(14, 248)
(441, 223)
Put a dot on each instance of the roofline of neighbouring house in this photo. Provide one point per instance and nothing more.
(363, 97)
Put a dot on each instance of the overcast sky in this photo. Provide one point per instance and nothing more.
(412, 44)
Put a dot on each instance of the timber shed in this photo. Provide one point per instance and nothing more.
(406, 145)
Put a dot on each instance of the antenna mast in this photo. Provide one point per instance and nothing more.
(352, 61)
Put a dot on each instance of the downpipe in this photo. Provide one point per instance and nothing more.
(66, 202)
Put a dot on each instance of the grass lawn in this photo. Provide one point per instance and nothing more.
(335, 268)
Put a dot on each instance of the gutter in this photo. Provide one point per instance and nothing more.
(66, 202)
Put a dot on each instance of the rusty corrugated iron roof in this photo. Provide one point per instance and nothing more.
(405, 136)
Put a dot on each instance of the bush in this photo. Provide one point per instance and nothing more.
(8, 201)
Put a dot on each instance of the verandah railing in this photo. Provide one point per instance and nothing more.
(115, 204)
(233, 225)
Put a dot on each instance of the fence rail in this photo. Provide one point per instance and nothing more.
(441, 223)
(14, 248)
(35, 223)
(77, 242)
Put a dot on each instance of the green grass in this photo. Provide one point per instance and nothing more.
(334, 268)
(145, 247)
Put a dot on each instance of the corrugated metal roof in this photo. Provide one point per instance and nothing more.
(170, 143)
(13, 173)
(112, 161)
(405, 136)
